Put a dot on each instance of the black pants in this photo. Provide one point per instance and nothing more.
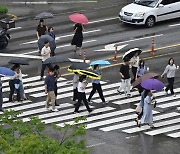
(12, 88)
(99, 89)
(82, 96)
(1, 99)
(134, 71)
(43, 68)
(170, 85)
(140, 115)
(75, 94)
(55, 91)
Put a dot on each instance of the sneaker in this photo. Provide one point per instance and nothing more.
(174, 95)
(166, 92)
(76, 112)
(47, 109)
(128, 95)
(55, 110)
(90, 110)
(119, 92)
(41, 78)
(79, 54)
(106, 102)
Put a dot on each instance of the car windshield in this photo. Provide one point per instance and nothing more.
(147, 3)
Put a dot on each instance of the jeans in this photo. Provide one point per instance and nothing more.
(12, 88)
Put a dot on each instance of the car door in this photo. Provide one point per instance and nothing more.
(175, 8)
(164, 10)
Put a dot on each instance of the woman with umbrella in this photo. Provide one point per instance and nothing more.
(41, 29)
(81, 94)
(78, 37)
(170, 70)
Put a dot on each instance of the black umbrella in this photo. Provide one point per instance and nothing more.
(79, 65)
(19, 61)
(46, 38)
(44, 15)
(56, 59)
(130, 53)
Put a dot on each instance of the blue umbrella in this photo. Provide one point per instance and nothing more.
(6, 72)
(100, 63)
(152, 84)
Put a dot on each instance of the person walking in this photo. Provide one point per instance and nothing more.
(97, 86)
(14, 84)
(41, 29)
(135, 63)
(75, 85)
(49, 90)
(57, 75)
(125, 78)
(141, 70)
(78, 37)
(51, 32)
(45, 53)
(170, 70)
(81, 94)
(149, 102)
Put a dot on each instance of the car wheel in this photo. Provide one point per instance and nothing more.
(150, 21)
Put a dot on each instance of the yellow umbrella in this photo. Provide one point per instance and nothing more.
(89, 74)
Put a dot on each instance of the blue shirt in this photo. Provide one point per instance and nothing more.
(141, 71)
(50, 82)
(97, 81)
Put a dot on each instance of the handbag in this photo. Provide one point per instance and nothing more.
(138, 109)
(16, 83)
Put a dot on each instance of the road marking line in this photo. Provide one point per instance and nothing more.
(111, 47)
(15, 28)
(20, 56)
(57, 38)
(174, 25)
(66, 45)
(95, 145)
(46, 2)
(102, 20)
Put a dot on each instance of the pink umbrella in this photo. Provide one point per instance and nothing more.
(78, 18)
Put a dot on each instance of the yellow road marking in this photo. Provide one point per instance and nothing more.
(14, 17)
(147, 58)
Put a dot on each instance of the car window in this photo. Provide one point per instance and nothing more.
(174, 1)
(166, 2)
(149, 3)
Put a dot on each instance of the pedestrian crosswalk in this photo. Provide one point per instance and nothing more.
(106, 118)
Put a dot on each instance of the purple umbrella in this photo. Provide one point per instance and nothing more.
(152, 84)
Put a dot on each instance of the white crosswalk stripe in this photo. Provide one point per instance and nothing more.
(105, 118)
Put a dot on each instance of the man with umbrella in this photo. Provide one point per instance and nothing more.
(41, 29)
(45, 52)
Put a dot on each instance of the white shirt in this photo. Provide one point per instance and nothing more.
(45, 53)
(135, 61)
(81, 85)
(75, 81)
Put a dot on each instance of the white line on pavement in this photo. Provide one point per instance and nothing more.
(46, 2)
(15, 28)
(57, 38)
(66, 45)
(20, 56)
(174, 25)
(95, 145)
(102, 20)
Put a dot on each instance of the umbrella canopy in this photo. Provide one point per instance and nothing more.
(56, 59)
(78, 18)
(130, 53)
(44, 15)
(78, 66)
(6, 72)
(46, 38)
(152, 84)
(144, 77)
(89, 73)
(19, 61)
(100, 63)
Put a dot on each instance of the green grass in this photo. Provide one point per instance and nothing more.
(3, 9)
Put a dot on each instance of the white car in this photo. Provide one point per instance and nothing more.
(148, 12)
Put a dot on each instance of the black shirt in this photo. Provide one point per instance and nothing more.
(124, 69)
(41, 30)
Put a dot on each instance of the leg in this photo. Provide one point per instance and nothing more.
(11, 85)
(53, 98)
(168, 86)
(122, 85)
(80, 98)
(134, 71)
(18, 94)
(43, 69)
(55, 92)
(75, 93)
(92, 91)
(47, 101)
(171, 83)
(128, 85)
(85, 102)
(99, 89)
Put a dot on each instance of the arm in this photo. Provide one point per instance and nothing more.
(46, 89)
(37, 34)
(122, 76)
(165, 71)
